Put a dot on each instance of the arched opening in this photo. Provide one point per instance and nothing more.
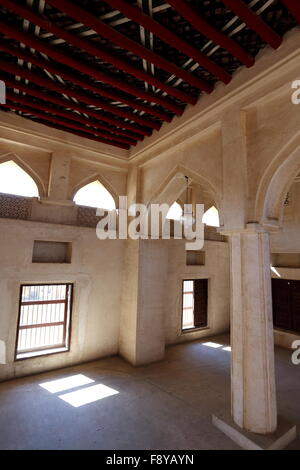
(175, 212)
(14, 180)
(95, 195)
(275, 183)
(277, 209)
(211, 217)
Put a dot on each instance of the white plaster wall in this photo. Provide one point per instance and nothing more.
(95, 270)
(216, 270)
(228, 142)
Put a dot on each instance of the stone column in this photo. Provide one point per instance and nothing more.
(252, 367)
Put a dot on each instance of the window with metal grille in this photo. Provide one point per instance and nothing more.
(44, 319)
(194, 304)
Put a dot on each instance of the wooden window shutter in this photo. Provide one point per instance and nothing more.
(295, 305)
(200, 302)
(281, 293)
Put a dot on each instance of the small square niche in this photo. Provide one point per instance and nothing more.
(195, 258)
(286, 260)
(51, 252)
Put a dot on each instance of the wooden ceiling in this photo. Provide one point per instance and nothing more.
(115, 70)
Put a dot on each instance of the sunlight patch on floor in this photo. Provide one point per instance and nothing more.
(88, 395)
(66, 383)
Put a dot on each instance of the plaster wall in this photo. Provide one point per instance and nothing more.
(230, 144)
(95, 270)
(216, 270)
(60, 163)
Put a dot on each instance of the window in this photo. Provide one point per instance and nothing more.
(286, 304)
(175, 212)
(44, 319)
(14, 180)
(194, 304)
(211, 217)
(95, 195)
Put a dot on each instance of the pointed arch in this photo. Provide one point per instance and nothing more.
(14, 180)
(175, 212)
(176, 176)
(275, 184)
(211, 217)
(104, 190)
(175, 183)
(90, 179)
(11, 156)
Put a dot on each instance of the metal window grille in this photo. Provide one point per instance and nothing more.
(44, 318)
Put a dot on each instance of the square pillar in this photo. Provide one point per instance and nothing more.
(253, 391)
(142, 328)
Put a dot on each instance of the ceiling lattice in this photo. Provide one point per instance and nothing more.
(115, 70)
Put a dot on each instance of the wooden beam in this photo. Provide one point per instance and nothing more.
(17, 85)
(294, 7)
(254, 22)
(104, 30)
(16, 70)
(98, 51)
(32, 42)
(94, 126)
(89, 85)
(190, 14)
(66, 124)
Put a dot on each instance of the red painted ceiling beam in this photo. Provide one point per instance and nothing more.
(25, 105)
(294, 7)
(17, 85)
(104, 30)
(51, 85)
(58, 70)
(71, 131)
(97, 51)
(33, 42)
(65, 124)
(63, 89)
(254, 22)
(187, 11)
(191, 15)
(20, 99)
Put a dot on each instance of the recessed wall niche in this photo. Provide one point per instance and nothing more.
(51, 252)
(195, 258)
(286, 260)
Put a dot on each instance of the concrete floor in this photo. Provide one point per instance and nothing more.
(167, 405)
